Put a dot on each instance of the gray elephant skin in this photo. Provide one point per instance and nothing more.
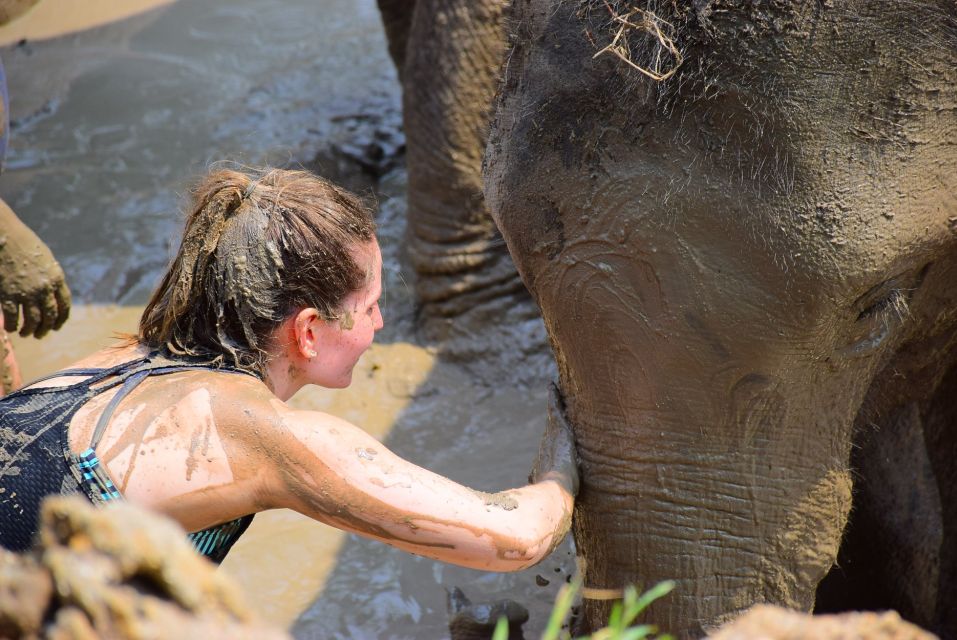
(739, 221)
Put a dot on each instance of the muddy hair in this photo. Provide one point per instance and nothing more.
(258, 245)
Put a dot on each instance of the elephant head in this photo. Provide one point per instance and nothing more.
(739, 221)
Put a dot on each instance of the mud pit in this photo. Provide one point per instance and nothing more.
(108, 125)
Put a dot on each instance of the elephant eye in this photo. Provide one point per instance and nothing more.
(893, 302)
(891, 297)
(881, 310)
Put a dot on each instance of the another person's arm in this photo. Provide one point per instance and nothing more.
(338, 474)
(30, 278)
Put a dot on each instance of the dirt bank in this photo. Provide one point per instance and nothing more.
(53, 18)
(117, 573)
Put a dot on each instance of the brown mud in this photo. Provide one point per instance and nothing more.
(117, 573)
(9, 369)
(109, 125)
(777, 623)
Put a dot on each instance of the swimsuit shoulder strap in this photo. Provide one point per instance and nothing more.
(94, 374)
(137, 371)
(130, 383)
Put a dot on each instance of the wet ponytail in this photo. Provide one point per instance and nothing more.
(257, 247)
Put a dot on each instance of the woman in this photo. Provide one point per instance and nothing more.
(276, 285)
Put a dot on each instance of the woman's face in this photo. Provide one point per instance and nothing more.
(341, 342)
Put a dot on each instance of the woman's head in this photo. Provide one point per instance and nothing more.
(259, 246)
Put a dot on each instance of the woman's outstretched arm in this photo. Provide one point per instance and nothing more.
(338, 474)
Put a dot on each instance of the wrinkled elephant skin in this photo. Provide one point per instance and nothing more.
(742, 267)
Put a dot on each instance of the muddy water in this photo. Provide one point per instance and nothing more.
(117, 118)
(109, 123)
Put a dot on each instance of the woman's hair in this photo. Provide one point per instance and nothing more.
(258, 246)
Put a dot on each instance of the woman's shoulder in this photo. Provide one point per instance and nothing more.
(113, 356)
(118, 353)
(244, 403)
(227, 389)
(234, 389)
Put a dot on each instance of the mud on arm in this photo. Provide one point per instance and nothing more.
(334, 472)
(30, 278)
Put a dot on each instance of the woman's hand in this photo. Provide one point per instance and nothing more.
(557, 459)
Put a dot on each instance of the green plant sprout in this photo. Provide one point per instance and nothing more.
(623, 614)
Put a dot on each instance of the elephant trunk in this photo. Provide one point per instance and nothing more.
(734, 525)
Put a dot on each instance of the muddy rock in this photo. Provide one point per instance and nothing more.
(118, 572)
(477, 621)
(766, 622)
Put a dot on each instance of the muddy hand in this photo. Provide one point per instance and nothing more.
(30, 278)
(557, 459)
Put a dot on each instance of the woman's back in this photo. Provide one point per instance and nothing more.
(157, 444)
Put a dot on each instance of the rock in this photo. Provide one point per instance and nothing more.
(25, 587)
(117, 572)
(766, 622)
(476, 621)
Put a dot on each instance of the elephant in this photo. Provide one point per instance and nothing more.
(739, 221)
(465, 278)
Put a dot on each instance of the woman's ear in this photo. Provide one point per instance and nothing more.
(306, 326)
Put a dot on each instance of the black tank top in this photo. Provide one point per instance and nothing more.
(36, 460)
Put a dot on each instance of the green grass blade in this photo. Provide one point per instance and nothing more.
(659, 590)
(640, 632)
(501, 629)
(563, 605)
